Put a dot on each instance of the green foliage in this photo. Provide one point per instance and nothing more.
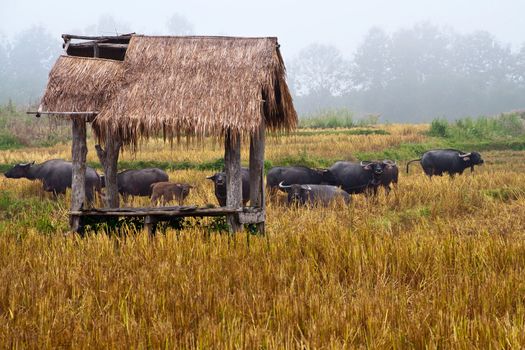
(18, 130)
(502, 127)
(439, 128)
(336, 118)
(8, 141)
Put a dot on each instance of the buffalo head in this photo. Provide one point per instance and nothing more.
(328, 177)
(473, 158)
(218, 178)
(375, 167)
(19, 171)
(297, 194)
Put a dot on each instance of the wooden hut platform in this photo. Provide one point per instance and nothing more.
(131, 88)
(153, 215)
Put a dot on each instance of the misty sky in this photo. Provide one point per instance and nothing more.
(296, 23)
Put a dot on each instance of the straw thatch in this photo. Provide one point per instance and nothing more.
(198, 86)
(79, 84)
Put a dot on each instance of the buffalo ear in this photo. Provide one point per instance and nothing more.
(466, 159)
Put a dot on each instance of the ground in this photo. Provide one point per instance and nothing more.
(437, 263)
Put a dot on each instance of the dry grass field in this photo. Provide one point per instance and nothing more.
(436, 264)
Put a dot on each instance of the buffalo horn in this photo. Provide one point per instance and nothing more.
(465, 155)
(283, 186)
(389, 162)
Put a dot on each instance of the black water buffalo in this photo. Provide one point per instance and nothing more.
(361, 177)
(56, 176)
(219, 182)
(313, 194)
(298, 175)
(137, 182)
(390, 175)
(450, 161)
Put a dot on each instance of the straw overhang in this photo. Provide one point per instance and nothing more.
(79, 84)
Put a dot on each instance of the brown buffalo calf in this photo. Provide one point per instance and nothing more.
(167, 191)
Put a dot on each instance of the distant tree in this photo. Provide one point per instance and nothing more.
(178, 24)
(4, 69)
(319, 69)
(32, 55)
(371, 66)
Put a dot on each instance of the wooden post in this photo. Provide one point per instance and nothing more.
(257, 173)
(109, 159)
(78, 183)
(232, 160)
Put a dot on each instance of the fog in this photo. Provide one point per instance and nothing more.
(329, 48)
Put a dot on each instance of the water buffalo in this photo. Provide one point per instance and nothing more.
(298, 175)
(56, 176)
(167, 191)
(312, 194)
(361, 177)
(390, 175)
(451, 161)
(138, 182)
(219, 181)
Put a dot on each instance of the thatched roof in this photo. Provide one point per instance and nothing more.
(176, 86)
(79, 84)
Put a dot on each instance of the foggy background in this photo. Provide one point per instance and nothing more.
(405, 60)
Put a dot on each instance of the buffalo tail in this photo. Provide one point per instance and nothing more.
(413, 160)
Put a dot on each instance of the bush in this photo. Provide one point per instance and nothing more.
(439, 128)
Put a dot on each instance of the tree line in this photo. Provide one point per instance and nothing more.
(411, 75)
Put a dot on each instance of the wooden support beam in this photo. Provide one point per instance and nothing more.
(257, 194)
(87, 116)
(87, 37)
(150, 223)
(96, 44)
(95, 50)
(232, 160)
(78, 183)
(109, 159)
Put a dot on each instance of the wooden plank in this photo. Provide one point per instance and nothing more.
(257, 193)
(100, 37)
(232, 160)
(78, 183)
(109, 159)
(72, 114)
(120, 212)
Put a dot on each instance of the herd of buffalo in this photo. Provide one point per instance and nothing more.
(303, 185)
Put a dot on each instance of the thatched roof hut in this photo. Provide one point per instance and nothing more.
(145, 86)
(174, 86)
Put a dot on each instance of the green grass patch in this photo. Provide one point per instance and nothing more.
(505, 194)
(8, 141)
(342, 132)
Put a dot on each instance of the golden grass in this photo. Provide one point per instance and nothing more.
(437, 264)
(337, 146)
